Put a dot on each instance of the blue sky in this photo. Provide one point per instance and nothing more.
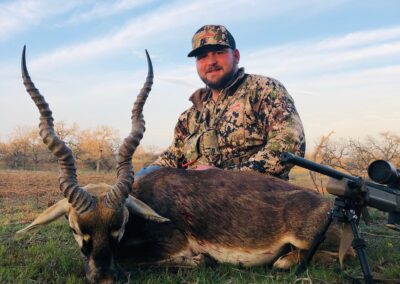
(340, 60)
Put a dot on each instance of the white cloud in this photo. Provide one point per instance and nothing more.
(16, 16)
(168, 19)
(360, 38)
(101, 10)
(329, 55)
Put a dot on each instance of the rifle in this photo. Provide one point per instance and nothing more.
(383, 194)
(354, 194)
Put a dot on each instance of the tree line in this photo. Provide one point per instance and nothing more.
(353, 156)
(93, 149)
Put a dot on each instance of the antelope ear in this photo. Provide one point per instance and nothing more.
(49, 215)
(140, 208)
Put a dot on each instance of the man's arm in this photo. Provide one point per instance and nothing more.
(283, 131)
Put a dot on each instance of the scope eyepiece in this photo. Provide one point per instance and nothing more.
(384, 172)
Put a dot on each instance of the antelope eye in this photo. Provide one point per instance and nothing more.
(86, 246)
(73, 230)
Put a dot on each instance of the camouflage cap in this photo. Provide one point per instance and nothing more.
(211, 35)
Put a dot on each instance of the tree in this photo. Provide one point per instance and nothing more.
(319, 155)
(70, 135)
(97, 147)
(3, 152)
(355, 155)
(362, 153)
(24, 148)
(94, 148)
(144, 156)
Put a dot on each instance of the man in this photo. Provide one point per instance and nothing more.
(238, 121)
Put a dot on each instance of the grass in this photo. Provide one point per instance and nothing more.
(50, 255)
(45, 256)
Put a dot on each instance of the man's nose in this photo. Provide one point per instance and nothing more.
(212, 59)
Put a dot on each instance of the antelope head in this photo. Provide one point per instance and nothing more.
(97, 214)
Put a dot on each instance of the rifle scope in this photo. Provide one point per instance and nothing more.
(384, 172)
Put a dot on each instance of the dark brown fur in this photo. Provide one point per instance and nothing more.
(228, 209)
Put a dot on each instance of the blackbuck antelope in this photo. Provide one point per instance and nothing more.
(180, 217)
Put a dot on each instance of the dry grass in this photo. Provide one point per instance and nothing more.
(23, 194)
(17, 184)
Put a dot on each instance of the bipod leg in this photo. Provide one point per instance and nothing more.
(359, 245)
(318, 239)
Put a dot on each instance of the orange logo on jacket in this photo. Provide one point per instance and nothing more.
(235, 107)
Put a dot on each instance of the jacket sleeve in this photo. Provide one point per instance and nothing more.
(173, 156)
(283, 132)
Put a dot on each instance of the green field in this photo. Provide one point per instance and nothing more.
(50, 255)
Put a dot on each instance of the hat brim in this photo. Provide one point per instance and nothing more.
(207, 48)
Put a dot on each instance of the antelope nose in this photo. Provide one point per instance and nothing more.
(106, 277)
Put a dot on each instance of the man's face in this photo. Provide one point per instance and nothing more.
(217, 67)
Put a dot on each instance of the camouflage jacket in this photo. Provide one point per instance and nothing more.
(251, 123)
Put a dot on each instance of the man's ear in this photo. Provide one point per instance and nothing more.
(236, 55)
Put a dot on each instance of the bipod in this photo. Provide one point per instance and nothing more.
(344, 211)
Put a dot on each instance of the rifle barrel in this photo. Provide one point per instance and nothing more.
(287, 157)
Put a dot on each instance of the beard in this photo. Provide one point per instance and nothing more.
(222, 82)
